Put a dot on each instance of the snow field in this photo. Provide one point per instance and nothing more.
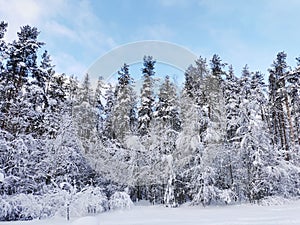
(230, 215)
(245, 214)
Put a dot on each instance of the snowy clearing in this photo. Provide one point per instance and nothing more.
(152, 215)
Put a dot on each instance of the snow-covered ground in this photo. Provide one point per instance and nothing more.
(246, 214)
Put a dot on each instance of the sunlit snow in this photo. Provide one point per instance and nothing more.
(244, 214)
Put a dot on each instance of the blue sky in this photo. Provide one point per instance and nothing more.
(77, 32)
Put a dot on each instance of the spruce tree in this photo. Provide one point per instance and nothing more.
(166, 127)
(124, 104)
(85, 114)
(293, 79)
(256, 155)
(194, 77)
(3, 45)
(21, 66)
(3, 57)
(108, 112)
(278, 99)
(99, 106)
(232, 97)
(145, 111)
(167, 109)
(57, 100)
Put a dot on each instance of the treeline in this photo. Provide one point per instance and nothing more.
(223, 138)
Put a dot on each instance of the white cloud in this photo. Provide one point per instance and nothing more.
(58, 29)
(82, 25)
(60, 21)
(68, 64)
(32, 12)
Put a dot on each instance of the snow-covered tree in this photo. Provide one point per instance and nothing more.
(279, 108)
(167, 107)
(256, 154)
(293, 87)
(3, 56)
(85, 115)
(65, 156)
(99, 105)
(169, 196)
(21, 65)
(145, 111)
(194, 76)
(57, 103)
(189, 145)
(3, 47)
(232, 91)
(108, 112)
(124, 104)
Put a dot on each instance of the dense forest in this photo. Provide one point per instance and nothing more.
(225, 138)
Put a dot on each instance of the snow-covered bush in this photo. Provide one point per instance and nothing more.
(227, 196)
(54, 203)
(274, 200)
(90, 200)
(5, 209)
(120, 200)
(19, 207)
(28, 206)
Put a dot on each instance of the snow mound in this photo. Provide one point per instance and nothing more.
(88, 220)
(120, 200)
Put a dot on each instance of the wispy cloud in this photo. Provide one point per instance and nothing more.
(32, 12)
(60, 21)
(68, 64)
(60, 30)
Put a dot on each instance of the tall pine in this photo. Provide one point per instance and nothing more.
(145, 111)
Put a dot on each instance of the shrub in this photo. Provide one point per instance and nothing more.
(120, 200)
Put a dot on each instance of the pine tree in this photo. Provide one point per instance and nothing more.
(194, 77)
(256, 155)
(124, 104)
(3, 45)
(278, 98)
(232, 98)
(85, 115)
(167, 109)
(57, 100)
(145, 111)
(108, 111)
(21, 65)
(216, 126)
(189, 147)
(98, 105)
(294, 96)
(36, 95)
(213, 88)
(3, 57)
(164, 132)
